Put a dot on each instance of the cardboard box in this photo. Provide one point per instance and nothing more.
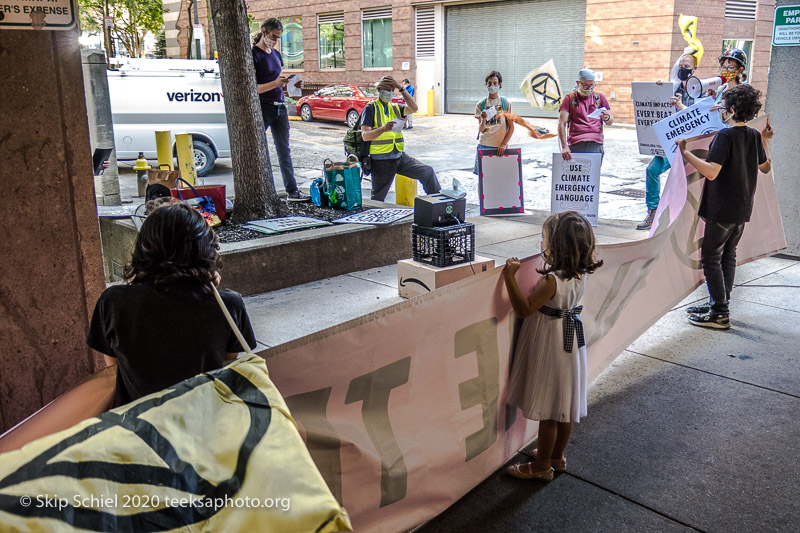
(415, 278)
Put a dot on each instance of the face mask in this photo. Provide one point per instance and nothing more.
(386, 96)
(269, 43)
(684, 73)
(585, 92)
(494, 89)
(730, 74)
(722, 116)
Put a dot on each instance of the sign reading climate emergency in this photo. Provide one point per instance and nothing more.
(576, 185)
(38, 14)
(691, 122)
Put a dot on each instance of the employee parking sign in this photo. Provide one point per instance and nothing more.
(38, 14)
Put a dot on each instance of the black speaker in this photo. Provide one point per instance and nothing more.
(439, 210)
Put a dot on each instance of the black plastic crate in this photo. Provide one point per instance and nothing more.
(443, 246)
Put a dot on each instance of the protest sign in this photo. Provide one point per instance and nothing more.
(576, 185)
(651, 103)
(691, 122)
(500, 182)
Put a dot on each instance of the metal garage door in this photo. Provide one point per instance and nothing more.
(514, 38)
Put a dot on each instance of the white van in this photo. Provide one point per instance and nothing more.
(179, 95)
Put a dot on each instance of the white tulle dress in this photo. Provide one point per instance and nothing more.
(547, 382)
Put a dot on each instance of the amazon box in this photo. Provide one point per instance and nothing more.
(415, 278)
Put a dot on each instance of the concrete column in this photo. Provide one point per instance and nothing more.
(51, 271)
(785, 117)
(101, 126)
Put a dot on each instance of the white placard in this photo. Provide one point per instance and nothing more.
(398, 124)
(294, 86)
(500, 182)
(691, 122)
(491, 112)
(651, 103)
(576, 185)
(38, 15)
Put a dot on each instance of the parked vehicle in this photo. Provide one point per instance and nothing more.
(182, 96)
(341, 102)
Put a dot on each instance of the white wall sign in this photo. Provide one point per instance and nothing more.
(651, 103)
(405, 65)
(576, 185)
(786, 27)
(691, 122)
(38, 14)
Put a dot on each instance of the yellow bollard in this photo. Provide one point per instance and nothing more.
(183, 142)
(405, 190)
(164, 149)
(431, 100)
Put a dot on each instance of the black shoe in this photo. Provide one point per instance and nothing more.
(711, 320)
(297, 196)
(699, 309)
(648, 220)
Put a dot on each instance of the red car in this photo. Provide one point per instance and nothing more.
(340, 101)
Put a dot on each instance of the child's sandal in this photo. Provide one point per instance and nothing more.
(559, 465)
(517, 471)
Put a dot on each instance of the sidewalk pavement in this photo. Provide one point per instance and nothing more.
(688, 430)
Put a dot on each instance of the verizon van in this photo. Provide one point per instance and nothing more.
(179, 95)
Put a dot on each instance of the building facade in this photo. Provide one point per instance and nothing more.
(447, 48)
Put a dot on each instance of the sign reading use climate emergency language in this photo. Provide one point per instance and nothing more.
(38, 14)
(691, 122)
(786, 30)
(651, 103)
(576, 185)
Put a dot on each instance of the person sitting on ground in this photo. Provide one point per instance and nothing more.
(165, 325)
(386, 149)
(731, 170)
(493, 133)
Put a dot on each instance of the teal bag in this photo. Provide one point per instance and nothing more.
(343, 184)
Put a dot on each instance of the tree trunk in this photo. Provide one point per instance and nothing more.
(256, 197)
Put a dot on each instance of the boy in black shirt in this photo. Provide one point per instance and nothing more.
(731, 170)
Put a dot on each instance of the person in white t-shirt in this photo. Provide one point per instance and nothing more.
(495, 132)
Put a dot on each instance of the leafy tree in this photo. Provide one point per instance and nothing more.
(133, 19)
(161, 45)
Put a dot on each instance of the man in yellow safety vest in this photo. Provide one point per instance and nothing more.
(382, 126)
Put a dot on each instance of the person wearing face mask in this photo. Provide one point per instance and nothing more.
(731, 67)
(493, 133)
(576, 131)
(410, 90)
(683, 70)
(268, 64)
(731, 168)
(386, 149)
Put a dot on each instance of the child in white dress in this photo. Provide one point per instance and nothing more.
(548, 374)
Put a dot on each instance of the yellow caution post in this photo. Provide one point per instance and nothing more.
(431, 100)
(141, 167)
(183, 143)
(405, 190)
(164, 149)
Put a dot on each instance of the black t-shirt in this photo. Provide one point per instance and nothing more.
(268, 68)
(729, 197)
(161, 338)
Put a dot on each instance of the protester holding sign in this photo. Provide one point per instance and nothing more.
(731, 170)
(582, 115)
(687, 64)
(494, 130)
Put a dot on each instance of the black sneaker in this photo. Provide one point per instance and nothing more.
(711, 320)
(699, 309)
(297, 196)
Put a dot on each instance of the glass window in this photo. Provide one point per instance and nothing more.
(377, 43)
(369, 92)
(344, 91)
(331, 45)
(292, 42)
(330, 90)
(746, 46)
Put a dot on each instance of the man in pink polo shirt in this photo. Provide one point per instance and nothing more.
(585, 133)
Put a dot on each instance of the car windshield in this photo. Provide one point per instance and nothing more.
(369, 91)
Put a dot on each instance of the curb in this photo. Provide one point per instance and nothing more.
(295, 118)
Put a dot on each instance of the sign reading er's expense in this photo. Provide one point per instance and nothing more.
(576, 185)
(651, 103)
(38, 14)
(691, 122)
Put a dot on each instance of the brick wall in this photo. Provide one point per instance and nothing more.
(184, 23)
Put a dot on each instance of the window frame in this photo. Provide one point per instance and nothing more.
(330, 19)
(285, 21)
(368, 16)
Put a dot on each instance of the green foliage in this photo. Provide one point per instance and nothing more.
(133, 19)
(161, 45)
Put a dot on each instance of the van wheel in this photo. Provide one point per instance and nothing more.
(305, 113)
(204, 158)
(352, 118)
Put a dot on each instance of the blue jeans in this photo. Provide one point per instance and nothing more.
(718, 256)
(657, 166)
(276, 118)
(477, 154)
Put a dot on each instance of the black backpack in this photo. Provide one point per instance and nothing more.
(354, 144)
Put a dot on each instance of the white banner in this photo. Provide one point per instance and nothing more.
(693, 121)
(651, 103)
(576, 185)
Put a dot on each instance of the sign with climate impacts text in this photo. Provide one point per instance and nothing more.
(38, 14)
(651, 103)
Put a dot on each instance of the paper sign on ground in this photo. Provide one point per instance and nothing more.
(278, 225)
(651, 103)
(376, 216)
(576, 185)
(500, 182)
(691, 122)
